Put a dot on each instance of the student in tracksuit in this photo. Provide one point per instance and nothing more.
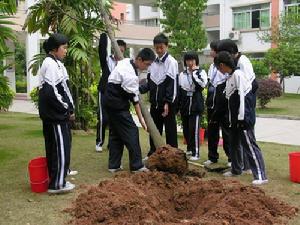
(162, 82)
(192, 81)
(123, 88)
(56, 110)
(245, 65)
(107, 63)
(241, 112)
(216, 112)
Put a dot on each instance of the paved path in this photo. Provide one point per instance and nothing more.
(278, 131)
(281, 131)
(25, 106)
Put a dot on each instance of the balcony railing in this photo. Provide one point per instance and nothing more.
(211, 20)
(147, 23)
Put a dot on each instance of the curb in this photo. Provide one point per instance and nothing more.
(284, 117)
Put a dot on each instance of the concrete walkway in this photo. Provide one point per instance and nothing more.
(280, 131)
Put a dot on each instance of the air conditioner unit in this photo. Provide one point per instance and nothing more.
(234, 35)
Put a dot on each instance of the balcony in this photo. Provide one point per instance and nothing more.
(134, 33)
(211, 22)
(139, 2)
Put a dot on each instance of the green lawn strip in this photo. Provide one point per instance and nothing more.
(23, 141)
(286, 105)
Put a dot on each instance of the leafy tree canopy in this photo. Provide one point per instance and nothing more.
(286, 35)
(183, 23)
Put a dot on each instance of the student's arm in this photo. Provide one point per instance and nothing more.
(220, 108)
(49, 70)
(171, 82)
(170, 85)
(102, 50)
(140, 116)
(199, 78)
(241, 86)
(144, 88)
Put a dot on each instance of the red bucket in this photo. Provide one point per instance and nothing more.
(201, 135)
(38, 174)
(294, 158)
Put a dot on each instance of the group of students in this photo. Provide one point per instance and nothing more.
(231, 101)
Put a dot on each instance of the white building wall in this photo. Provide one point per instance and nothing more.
(292, 84)
(32, 48)
(249, 41)
(146, 12)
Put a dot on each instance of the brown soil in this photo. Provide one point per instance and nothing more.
(158, 198)
(168, 159)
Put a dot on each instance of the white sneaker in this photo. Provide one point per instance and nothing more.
(67, 188)
(98, 148)
(229, 164)
(188, 153)
(247, 171)
(229, 174)
(145, 159)
(259, 182)
(72, 172)
(194, 158)
(116, 170)
(143, 169)
(208, 162)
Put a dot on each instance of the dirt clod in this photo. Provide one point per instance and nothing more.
(168, 159)
(158, 198)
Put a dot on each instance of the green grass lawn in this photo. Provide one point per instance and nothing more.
(287, 104)
(21, 140)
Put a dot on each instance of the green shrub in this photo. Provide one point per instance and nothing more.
(267, 90)
(261, 69)
(21, 86)
(6, 94)
(204, 122)
(34, 95)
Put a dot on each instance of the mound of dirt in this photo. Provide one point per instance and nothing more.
(168, 159)
(157, 198)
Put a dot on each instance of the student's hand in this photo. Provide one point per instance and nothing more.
(194, 67)
(72, 117)
(144, 125)
(241, 124)
(166, 110)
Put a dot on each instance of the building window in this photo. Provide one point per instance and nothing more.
(254, 16)
(292, 6)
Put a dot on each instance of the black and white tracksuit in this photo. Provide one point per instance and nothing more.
(123, 88)
(245, 65)
(107, 63)
(162, 84)
(191, 105)
(241, 118)
(55, 107)
(216, 114)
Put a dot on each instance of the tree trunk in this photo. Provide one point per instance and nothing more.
(152, 129)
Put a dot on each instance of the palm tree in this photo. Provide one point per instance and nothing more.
(7, 9)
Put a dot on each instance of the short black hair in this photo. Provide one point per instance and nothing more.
(190, 56)
(225, 58)
(214, 45)
(122, 43)
(146, 54)
(228, 46)
(161, 38)
(54, 41)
